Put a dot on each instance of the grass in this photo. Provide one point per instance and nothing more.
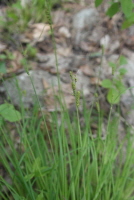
(56, 161)
(60, 158)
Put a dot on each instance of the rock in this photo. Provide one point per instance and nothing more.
(127, 99)
(85, 18)
(114, 46)
(65, 78)
(128, 53)
(22, 86)
(20, 89)
(130, 69)
(83, 83)
(113, 58)
(96, 34)
(105, 41)
(49, 60)
(131, 30)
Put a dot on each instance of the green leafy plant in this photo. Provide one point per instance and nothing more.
(2, 67)
(115, 85)
(30, 51)
(121, 5)
(18, 17)
(8, 112)
(60, 156)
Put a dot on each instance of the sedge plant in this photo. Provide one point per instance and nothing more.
(55, 157)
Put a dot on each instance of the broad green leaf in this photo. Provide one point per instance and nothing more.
(120, 86)
(98, 2)
(40, 196)
(107, 83)
(113, 65)
(17, 5)
(3, 57)
(127, 7)
(45, 170)
(113, 9)
(12, 15)
(38, 170)
(122, 60)
(2, 67)
(126, 24)
(29, 177)
(1, 121)
(37, 165)
(113, 96)
(8, 112)
(122, 71)
(131, 18)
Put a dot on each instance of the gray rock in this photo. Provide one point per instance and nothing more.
(131, 30)
(83, 83)
(129, 79)
(20, 89)
(96, 34)
(128, 98)
(85, 18)
(48, 60)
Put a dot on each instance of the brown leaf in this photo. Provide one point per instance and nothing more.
(95, 81)
(64, 32)
(40, 30)
(45, 84)
(36, 33)
(64, 51)
(15, 64)
(86, 69)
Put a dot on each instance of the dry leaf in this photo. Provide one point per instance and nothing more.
(15, 64)
(87, 70)
(95, 81)
(64, 32)
(45, 84)
(36, 33)
(40, 30)
(64, 51)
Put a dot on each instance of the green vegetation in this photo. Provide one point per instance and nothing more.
(65, 161)
(124, 6)
(57, 157)
(115, 86)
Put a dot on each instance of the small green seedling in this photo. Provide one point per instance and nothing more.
(115, 85)
(8, 112)
(38, 170)
(30, 51)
